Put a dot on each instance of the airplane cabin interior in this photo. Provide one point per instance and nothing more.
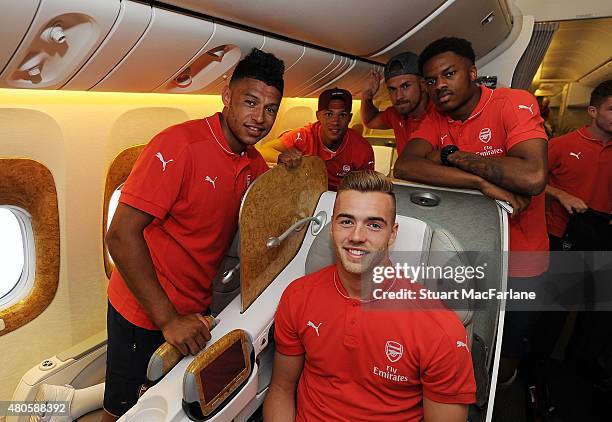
(84, 86)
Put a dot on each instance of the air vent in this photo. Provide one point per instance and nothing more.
(534, 54)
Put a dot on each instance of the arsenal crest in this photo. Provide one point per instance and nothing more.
(394, 351)
(485, 135)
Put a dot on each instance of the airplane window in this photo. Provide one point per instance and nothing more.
(15, 233)
(112, 207)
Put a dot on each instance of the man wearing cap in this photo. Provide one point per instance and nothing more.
(330, 138)
(408, 96)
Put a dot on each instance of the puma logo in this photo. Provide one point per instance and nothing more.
(524, 107)
(316, 327)
(461, 344)
(212, 182)
(164, 162)
(577, 155)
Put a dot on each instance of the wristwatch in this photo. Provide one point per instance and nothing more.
(445, 152)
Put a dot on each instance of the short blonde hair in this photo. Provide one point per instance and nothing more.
(367, 181)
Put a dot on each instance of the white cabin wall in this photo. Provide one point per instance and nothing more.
(556, 10)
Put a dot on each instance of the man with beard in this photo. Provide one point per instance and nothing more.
(346, 361)
(492, 141)
(579, 166)
(410, 102)
(177, 215)
(330, 138)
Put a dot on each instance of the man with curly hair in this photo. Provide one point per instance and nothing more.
(177, 215)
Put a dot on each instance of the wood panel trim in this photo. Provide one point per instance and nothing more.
(118, 173)
(29, 185)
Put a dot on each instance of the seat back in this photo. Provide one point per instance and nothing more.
(224, 291)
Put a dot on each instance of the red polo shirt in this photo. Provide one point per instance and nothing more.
(354, 153)
(578, 164)
(403, 127)
(188, 178)
(502, 119)
(369, 364)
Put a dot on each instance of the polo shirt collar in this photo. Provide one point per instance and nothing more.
(585, 133)
(428, 108)
(485, 97)
(329, 153)
(213, 123)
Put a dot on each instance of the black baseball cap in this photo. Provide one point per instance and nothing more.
(406, 63)
(329, 95)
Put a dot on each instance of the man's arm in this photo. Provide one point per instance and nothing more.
(130, 253)
(414, 165)
(280, 400)
(271, 150)
(370, 115)
(277, 152)
(523, 171)
(417, 164)
(444, 412)
(570, 202)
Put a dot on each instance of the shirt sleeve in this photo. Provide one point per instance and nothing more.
(366, 152)
(294, 139)
(286, 335)
(429, 130)
(447, 374)
(370, 160)
(554, 155)
(522, 119)
(387, 117)
(155, 182)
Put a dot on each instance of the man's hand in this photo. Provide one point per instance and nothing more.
(188, 333)
(519, 202)
(572, 203)
(370, 88)
(291, 158)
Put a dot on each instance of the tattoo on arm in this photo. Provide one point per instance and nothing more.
(480, 166)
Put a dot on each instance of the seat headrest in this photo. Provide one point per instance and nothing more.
(446, 251)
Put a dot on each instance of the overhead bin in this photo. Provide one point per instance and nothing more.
(16, 18)
(313, 64)
(485, 23)
(62, 36)
(213, 64)
(170, 41)
(352, 80)
(346, 26)
(289, 53)
(133, 20)
(336, 68)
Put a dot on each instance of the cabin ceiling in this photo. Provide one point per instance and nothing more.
(359, 28)
(192, 46)
(365, 29)
(580, 51)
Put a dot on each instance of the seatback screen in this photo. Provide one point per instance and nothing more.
(219, 373)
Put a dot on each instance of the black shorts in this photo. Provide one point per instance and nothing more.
(128, 352)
